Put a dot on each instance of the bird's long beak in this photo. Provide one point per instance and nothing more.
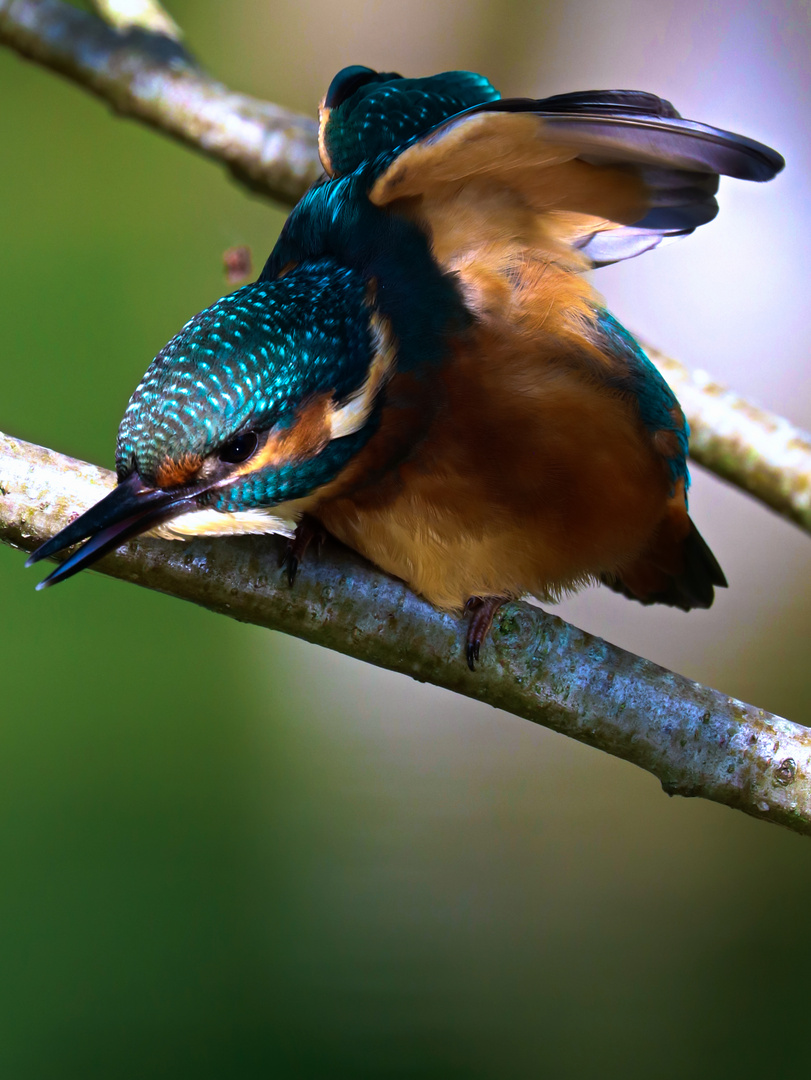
(131, 508)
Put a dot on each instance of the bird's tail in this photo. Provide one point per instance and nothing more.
(679, 571)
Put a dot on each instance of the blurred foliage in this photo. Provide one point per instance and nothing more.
(230, 854)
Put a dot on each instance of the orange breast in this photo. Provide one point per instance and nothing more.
(532, 477)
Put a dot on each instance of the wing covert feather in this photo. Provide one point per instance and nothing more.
(636, 172)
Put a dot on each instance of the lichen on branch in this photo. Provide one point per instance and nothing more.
(697, 741)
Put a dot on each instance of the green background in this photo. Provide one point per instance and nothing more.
(225, 853)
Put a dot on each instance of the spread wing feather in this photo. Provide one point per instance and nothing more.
(635, 172)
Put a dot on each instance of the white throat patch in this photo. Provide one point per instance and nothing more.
(218, 523)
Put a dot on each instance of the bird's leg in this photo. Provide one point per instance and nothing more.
(307, 530)
(482, 610)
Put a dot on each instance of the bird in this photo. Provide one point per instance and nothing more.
(424, 371)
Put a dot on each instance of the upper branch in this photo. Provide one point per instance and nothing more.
(695, 740)
(148, 14)
(756, 450)
(152, 78)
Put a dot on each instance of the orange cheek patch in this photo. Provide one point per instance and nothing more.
(306, 437)
(174, 473)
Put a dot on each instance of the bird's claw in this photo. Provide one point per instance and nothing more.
(472, 654)
(481, 610)
(307, 531)
(289, 564)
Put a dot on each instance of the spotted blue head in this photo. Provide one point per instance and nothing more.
(366, 113)
(260, 400)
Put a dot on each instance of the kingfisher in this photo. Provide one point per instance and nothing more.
(422, 369)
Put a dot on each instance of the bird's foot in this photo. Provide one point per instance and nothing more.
(482, 610)
(307, 531)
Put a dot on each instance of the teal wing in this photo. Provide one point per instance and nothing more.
(636, 376)
(678, 569)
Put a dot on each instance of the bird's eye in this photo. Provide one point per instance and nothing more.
(240, 448)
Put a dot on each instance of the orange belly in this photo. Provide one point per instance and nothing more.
(532, 478)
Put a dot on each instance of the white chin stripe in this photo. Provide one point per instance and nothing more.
(215, 523)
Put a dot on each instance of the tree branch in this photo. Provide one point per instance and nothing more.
(153, 79)
(148, 14)
(695, 740)
(754, 449)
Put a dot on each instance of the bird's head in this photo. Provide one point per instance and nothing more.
(258, 402)
(365, 113)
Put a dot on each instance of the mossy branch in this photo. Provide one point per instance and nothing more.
(695, 740)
